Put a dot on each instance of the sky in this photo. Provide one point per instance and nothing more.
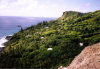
(46, 8)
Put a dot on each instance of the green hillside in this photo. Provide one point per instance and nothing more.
(29, 48)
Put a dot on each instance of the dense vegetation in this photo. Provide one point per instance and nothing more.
(29, 48)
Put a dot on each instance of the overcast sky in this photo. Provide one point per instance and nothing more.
(45, 8)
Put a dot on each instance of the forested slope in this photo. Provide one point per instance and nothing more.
(29, 48)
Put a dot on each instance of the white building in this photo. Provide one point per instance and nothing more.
(81, 44)
(50, 49)
(46, 27)
(28, 35)
(42, 37)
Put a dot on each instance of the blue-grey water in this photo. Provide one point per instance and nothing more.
(9, 25)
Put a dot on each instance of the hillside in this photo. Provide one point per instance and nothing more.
(54, 43)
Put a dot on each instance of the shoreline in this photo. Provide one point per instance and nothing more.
(3, 41)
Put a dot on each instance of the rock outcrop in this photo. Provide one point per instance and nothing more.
(70, 15)
(89, 58)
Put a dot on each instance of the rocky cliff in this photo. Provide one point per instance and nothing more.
(89, 58)
(70, 14)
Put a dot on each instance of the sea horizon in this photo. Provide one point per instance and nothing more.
(9, 25)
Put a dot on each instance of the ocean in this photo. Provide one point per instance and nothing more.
(9, 25)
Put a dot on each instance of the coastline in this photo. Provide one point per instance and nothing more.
(3, 41)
